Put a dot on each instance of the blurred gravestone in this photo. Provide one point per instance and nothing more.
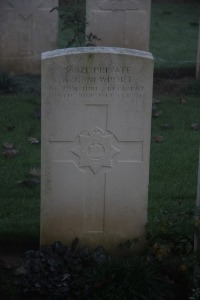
(198, 57)
(96, 123)
(27, 28)
(124, 23)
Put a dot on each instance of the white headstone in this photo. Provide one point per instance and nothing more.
(119, 23)
(96, 123)
(198, 57)
(27, 28)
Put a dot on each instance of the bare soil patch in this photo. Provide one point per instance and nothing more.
(167, 86)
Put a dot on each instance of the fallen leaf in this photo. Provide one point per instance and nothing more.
(33, 140)
(158, 139)
(36, 172)
(154, 108)
(74, 244)
(20, 271)
(166, 126)
(31, 131)
(11, 152)
(10, 128)
(37, 113)
(157, 113)
(155, 101)
(30, 183)
(195, 126)
(167, 12)
(194, 24)
(182, 101)
(8, 145)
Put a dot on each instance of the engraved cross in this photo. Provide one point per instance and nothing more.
(97, 151)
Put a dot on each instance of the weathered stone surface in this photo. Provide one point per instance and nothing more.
(119, 23)
(27, 28)
(96, 122)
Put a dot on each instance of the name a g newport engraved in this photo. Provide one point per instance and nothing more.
(100, 79)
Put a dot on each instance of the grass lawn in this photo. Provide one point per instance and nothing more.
(170, 265)
(174, 35)
(173, 165)
(19, 205)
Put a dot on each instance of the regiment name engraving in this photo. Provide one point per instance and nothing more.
(82, 84)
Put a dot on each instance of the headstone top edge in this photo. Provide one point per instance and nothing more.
(106, 50)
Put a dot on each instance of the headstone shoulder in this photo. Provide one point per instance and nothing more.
(106, 50)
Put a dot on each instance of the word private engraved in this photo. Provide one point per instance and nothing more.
(95, 149)
(119, 5)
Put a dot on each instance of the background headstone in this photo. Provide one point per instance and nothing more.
(198, 57)
(119, 23)
(96, 123)
(27, 28)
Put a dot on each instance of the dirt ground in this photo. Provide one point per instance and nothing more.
(176, 86)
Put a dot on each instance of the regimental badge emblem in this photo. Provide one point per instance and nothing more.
(95, 149)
